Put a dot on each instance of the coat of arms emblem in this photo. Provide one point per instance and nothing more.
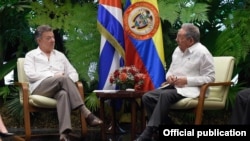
(141, 20)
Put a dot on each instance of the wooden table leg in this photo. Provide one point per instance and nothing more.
(133, 119)
(143, 118)
(103, 135)
(113, 118)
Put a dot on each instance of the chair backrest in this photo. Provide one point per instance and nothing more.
(224, 66)
(21, 76)
(20, 71)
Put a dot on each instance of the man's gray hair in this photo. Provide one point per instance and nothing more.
(192, 31)
(41, 29)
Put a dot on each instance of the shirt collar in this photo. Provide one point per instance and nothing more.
(39, 51)
(193, 47)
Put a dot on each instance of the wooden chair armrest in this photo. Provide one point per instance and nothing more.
(207, 85)
(202, 96)
(79, 86)
(83, 121)
(25, 90)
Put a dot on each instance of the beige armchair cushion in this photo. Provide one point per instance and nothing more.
(42, 101)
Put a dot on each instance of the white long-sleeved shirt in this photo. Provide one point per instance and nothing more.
(197, 64)
(38, 67)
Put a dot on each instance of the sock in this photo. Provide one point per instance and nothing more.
(85, 111)
(147, 133)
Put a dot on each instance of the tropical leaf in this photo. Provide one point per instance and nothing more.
(15, 109)
(4, 91)
(6, 68)
(168, 10)
(83, 43)
(183, 11)
(235, 39)
(200, 11)
(92, 101)
(232, 95)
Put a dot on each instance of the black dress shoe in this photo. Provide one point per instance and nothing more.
(6, 134)
(92, 120)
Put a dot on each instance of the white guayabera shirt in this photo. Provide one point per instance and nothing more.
(197, 64)
(38, 67)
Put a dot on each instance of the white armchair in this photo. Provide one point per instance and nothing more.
(38, 103)
(218, 91)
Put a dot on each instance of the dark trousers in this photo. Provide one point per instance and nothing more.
(157, 104)
(64, 90)
(241, 109)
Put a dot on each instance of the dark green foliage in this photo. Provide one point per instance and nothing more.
(6, 68)
(235, 39)
(83, 43)
(15, 109)
(15, 36)
(4, 92)
(14, 29)
(182, 11)
(234, 89)
(92, 102)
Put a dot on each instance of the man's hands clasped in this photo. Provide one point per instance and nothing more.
(177, 81)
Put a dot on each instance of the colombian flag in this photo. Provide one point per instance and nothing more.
(112, 53)
(143, 40)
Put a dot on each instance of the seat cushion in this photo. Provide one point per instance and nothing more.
(185, 103)
(42, 101)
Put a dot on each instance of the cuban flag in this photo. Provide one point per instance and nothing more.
(143, 40)
(112, 52)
